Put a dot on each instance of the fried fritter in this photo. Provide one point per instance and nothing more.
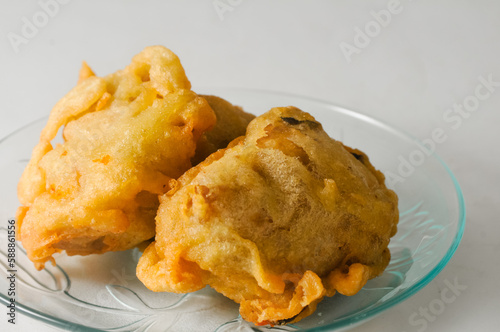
(126, 136)
(281, 218)
(232, 122)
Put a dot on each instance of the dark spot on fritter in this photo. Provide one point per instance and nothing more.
(288, 320)
(291, 121)
(294, 122)
(359, 157)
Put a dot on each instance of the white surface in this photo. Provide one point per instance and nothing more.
(427, 57)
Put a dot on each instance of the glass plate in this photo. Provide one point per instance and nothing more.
(101, 292)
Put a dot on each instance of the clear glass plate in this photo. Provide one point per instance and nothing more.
(101, 292)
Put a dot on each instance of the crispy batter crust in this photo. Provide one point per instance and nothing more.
(278, 220)
(232, 122)
(126, 136)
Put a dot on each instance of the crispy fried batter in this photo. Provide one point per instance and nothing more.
(232, 122)
(126, 136)
(278, 220)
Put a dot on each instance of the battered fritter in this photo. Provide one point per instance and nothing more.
(281, 218)
(126, 137)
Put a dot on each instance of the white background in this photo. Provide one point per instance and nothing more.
(425, 59)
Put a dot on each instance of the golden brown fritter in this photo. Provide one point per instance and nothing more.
(278, 220)
(126, 136)
(232, 122)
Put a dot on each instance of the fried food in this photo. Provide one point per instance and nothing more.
(281, 218)
(126, 137)
(232, 122)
